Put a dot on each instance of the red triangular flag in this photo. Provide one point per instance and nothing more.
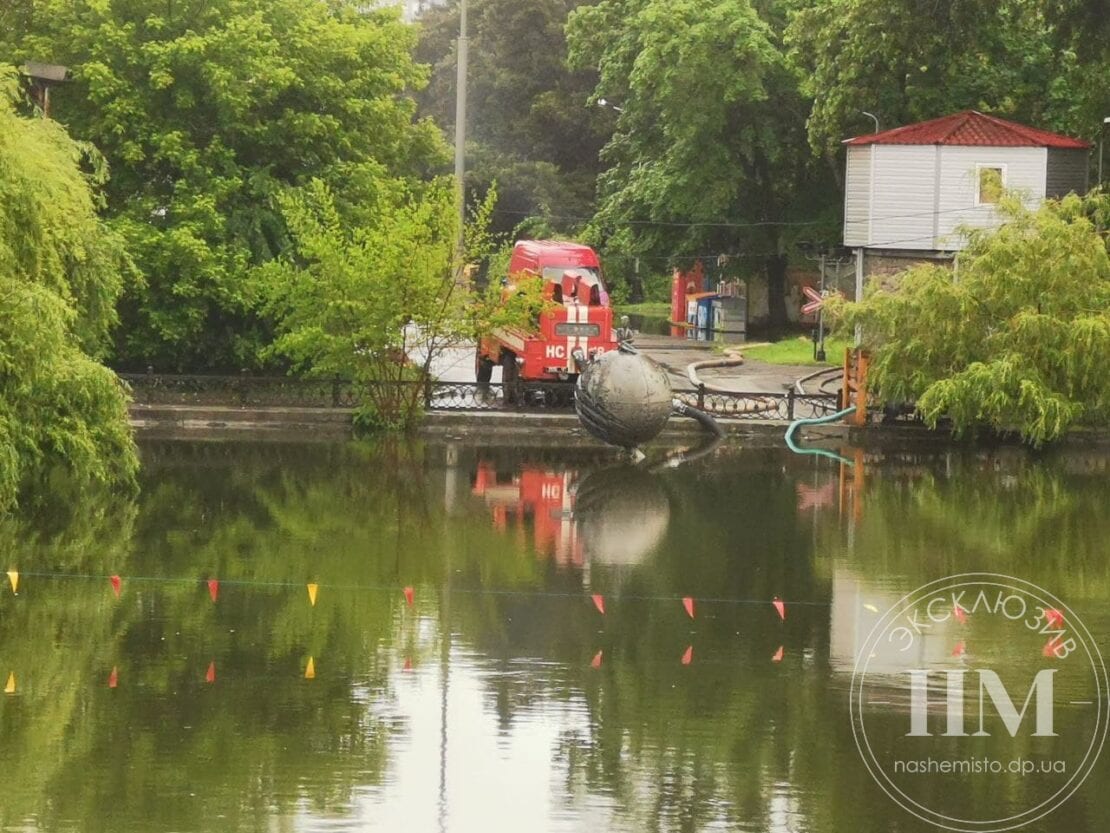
(1049, 649)
(688, 655)
(599, 603)
(113, 678)
(780, 606)
(117, 583)
(1053, 617)
(778, 655)
(959, 613)
(408, 596)
(688, 603)
(596, 661)
(408, 664)
(213, 588)
(210, 676)
(959, 650)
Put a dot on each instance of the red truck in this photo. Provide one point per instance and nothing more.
(576, 326)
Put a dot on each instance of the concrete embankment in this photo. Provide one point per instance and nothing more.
(335, 423)
(211, 420)
(532, 428)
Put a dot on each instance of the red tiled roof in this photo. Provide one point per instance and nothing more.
(969, 128)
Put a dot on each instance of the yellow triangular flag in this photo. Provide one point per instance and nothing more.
(13, 577)
(10, 687)
(312, 588)
(310, 670)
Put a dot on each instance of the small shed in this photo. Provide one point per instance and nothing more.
(912, 188)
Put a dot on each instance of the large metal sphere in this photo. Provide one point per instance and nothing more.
(623, 398)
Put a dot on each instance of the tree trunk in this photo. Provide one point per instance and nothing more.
(775, 268)
(635, 290)
(837, 168)
(636, 285)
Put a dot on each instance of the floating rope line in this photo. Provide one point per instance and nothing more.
(314, 588)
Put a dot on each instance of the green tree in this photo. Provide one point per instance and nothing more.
(379, 303)
(910, 60)
(1015, 341)
(707, 154)
(530, 127)
(206, 109)
(60, 273)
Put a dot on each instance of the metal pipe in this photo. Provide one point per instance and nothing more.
(859, 291)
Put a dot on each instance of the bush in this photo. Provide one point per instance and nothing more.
(1015, 338)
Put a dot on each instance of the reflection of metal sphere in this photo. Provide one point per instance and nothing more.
(623, 398)
(622, 515)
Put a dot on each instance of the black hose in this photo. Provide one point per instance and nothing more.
(680, 408)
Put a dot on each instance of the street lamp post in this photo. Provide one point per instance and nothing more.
(43, 77)
(460, 125)
(873, 118)
(601, 102)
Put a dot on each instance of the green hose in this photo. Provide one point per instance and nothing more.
(820, 452)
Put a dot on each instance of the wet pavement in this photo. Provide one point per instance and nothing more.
(456, 364)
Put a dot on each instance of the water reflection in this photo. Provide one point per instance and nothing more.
(502, 699)
(613, 516)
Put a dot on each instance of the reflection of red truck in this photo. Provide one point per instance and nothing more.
(577, 326)
(545, 497)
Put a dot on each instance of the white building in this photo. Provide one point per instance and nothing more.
(909, 191)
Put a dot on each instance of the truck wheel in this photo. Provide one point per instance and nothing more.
(510, 378)
(483, 370)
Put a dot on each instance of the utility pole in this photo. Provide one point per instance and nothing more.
(819, 345)
(460, 126)
(859, 291)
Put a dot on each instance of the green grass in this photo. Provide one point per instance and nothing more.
(796, 351)
(655, 309)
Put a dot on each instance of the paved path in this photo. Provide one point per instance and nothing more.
(753, 376)
(456, 364)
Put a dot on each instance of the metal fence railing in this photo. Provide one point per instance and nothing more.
(757, 405)
(247, 390)
(242, 390)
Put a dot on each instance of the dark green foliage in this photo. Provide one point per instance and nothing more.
(205, 110)
(531, 126)
(908, 60)
(708, 154)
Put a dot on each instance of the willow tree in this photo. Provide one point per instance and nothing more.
(1014, 339)
(61, 272)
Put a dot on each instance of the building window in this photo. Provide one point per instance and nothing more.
(990, 182)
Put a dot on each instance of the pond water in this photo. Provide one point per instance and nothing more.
(502, 698)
